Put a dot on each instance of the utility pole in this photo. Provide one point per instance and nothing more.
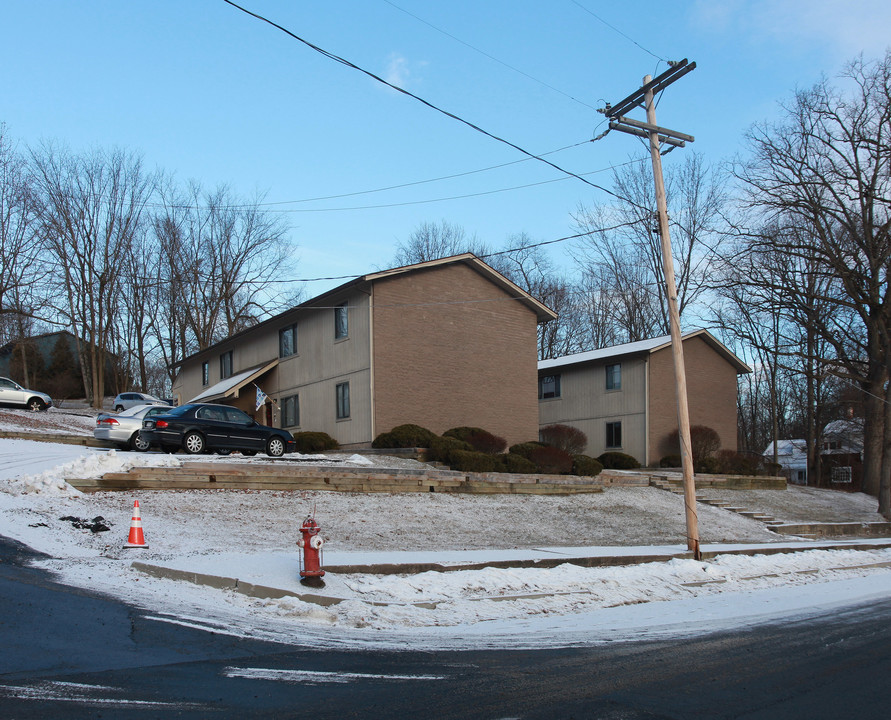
(656, 134)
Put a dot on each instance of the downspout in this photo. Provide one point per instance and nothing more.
(372, 408)
(647, 411)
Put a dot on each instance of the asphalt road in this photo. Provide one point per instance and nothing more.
(69, 654)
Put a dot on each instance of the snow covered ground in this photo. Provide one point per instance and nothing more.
(251, 535)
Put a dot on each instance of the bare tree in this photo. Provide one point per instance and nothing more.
(430, 241)
(627, 255)
(90, 208)
(824, 172)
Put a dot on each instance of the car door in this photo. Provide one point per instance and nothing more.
(11, 393)
(245, 433)
(214, 425)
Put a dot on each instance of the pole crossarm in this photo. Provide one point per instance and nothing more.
(638, 97)
(645, 134)
(655, 128)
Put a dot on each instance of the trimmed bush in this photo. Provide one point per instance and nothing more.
(441, 448)
(481, 440)
(585, 465)
(525, 449)
(471, 461)
(517, 464)
(618, 461)
(736, 463)
(310, 442)
(404, 436)
(670, 461)
(551, 460)
(708, 465)
(704, 442)
(565, 437)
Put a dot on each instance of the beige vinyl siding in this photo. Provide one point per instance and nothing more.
(586, 404)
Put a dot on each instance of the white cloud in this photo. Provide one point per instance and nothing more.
(841, 28)
(398, 72)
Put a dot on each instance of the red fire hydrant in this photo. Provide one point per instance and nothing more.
(311, 561)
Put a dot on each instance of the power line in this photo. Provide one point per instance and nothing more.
(491, 57)
(451, 115)
(614, 28)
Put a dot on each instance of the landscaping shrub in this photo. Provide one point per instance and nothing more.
(404, 436)
(704, 442)
(618, 461)
(565, 437)
(525, 449)
(736, 463)
(472, 461)
(517, 464)
(707, 465)
(441, 448)
(671, 461)
(481, 440)
(311, 442)
(551, 460)
(586, 465)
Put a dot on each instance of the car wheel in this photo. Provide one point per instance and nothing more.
(36, 405)
(137, 443)
(275, 447)
(193, 443)
(222, 451)
(119, 408)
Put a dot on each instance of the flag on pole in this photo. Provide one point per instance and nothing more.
(261, 397)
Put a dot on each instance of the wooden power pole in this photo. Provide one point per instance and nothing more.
(655, 134)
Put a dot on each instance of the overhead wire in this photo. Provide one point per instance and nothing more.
(427, 103)
(491, 57)
(615, 29)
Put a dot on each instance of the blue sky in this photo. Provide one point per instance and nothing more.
(205, 92)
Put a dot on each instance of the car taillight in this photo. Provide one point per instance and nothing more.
(105, 421)
(161, 423)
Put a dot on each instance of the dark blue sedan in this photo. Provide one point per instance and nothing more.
(199, 428)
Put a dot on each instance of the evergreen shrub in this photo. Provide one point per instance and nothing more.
(551, 460)
(310, 442)
(586, 465)
(404, 436)
(618, 461)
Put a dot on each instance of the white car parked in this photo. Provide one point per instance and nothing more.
(11, 393)
(126, 400)
(123, 428)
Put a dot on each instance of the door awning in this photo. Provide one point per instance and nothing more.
(230, 387)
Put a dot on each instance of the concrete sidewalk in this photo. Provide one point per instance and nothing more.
(276, 575)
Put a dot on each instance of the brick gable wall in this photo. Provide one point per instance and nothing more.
(451, 349)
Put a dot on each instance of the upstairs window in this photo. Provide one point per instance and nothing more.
(287, 341)
(341, 321)
(226, 365)
(614, 377)
(205, 373)
(548, 387)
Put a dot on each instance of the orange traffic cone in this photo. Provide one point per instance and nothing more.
(136, 538)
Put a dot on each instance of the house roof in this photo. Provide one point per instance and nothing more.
(542, 312)
(644, 347)
(231, 385)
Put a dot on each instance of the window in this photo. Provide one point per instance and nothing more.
(841, 475)
(205, 373)
(614, 434)
(343, 401)
(291, 411)
(341, 321)
(226, 365)
(614, 377)
(287, 341)
(548, 387)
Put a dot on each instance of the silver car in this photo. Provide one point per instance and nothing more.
(11, 393)
(123, 428)
(127, 400)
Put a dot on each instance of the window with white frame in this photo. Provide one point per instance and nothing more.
(226, 365)
(548, 387)
(205, 373)
(614, 434)
(287, 341)
(341, 321)
(614, 376)
(343, 400)
(290, 411)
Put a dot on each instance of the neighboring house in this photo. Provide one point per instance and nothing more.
(623, 397)
(841, 457)
(792, 458)
(441, 344)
